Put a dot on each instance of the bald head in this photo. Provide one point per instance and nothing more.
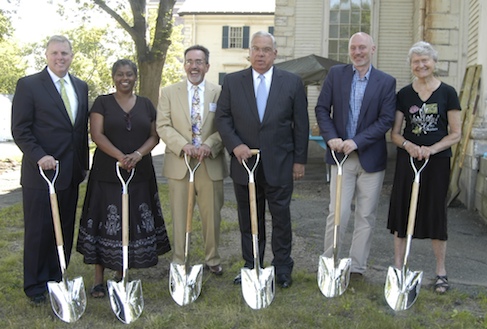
(361, 47)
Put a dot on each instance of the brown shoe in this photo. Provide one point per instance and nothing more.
(216, 269)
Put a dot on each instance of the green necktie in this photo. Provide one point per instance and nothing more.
(65, 98)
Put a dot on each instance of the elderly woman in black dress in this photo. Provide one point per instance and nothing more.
(431, 111)
(122, 125)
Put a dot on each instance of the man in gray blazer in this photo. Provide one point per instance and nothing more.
(47, 130)
(355, 109)
(280, 129)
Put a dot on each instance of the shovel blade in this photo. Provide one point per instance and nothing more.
(258, 286)
(402, 288)
(185, 286)
(68, 300)
(126, 300)
(333, 276)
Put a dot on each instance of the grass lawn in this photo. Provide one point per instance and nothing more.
(221, 304)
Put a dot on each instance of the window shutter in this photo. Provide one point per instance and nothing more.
(270, 29)
(245, 39)
(221, 76)
(225, 37)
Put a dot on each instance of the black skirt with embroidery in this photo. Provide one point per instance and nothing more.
(431, 215)
(100, 232)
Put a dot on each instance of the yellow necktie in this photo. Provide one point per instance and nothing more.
(65, 98)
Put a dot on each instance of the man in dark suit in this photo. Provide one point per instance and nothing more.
(355, 109)
(46, 130)
(280, 129)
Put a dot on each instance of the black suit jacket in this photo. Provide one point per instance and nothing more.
(41, 126)
(282, 136)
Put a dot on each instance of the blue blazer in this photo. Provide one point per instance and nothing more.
(282, 136)
(41, 126)
(376, 114)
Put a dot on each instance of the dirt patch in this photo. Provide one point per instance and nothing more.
(8, 165)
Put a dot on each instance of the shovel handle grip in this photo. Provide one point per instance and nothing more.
(56, 220)
(254, 151)
(412, 208)
(253, 209)
(125, 219)
(189, 211)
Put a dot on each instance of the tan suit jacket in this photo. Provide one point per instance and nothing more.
(174, 128)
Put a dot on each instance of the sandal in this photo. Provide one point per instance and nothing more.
(98, 291)
(441, 285)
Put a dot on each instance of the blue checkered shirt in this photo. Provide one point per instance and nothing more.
(356, 96)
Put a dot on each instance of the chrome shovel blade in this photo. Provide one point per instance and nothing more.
(258, 286)
(185, 287)
(402, 288)
(333, 277)
(126, 300)
(68, 300)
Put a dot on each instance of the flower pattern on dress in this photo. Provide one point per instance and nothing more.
(424, 119)
(147, 220)
(112, 225)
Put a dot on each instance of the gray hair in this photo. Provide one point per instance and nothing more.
(422, 48)
(264, 34)
(59, 38)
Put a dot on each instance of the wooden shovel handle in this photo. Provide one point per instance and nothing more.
(253, 209)
(189, 212)
(56, 220)
(412, 208)
(338, 199)
(125, 219)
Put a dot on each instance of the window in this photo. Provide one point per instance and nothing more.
(235, 37)
(346, 18)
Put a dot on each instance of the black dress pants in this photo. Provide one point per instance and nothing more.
(278, 199)
(41, 262)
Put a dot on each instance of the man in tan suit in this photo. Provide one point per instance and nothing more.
(176, 119)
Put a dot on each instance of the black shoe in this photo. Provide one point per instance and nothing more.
(284, 280)
(38, 299)
(356, 276)
(237, 279)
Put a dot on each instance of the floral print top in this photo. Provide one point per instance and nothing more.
(427, 121)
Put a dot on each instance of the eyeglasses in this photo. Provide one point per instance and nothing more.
(128, 123)
(265, 50)
(198, 62)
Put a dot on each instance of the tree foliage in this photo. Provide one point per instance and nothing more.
(12, 62)
(6, 28)
(151, 45)
(95, 50)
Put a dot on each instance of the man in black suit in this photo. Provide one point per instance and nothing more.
(46, 130)
(280, 129)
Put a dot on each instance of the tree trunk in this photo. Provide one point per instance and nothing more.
(150, 75)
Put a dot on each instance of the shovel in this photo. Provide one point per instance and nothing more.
(334, 273)
(68, 298)
(125, 297)
(185, 281)
(258, 284)
(402, 285)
